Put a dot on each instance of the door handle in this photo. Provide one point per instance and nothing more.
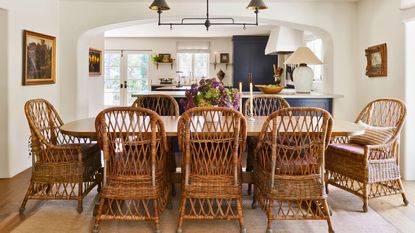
(125, 84)
(121, 85)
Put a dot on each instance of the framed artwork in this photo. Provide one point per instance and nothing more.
(95, 62)
(224, 58)
(377, 61)
(39, 58)
(165, 57)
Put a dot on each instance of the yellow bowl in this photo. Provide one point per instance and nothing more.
(270, 89)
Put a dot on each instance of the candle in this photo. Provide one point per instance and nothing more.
(251, 96)
(240, 97)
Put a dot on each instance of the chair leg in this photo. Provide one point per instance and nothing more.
(365, 197)
(254, 199)
(269, 215)
(23, 206)
(181, 215)
(241, 215)
(156, 216)
(97, 218)
(405, 200)
(80, 196)
(328, 213)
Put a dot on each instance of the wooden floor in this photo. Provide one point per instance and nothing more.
(13, 190)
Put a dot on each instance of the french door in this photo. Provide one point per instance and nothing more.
(126, 72)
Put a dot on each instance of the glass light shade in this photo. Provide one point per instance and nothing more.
(159, 5)
(256, 5)
(303, 55)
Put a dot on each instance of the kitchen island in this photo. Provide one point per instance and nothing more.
(312, 99)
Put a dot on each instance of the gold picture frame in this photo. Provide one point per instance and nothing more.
(95, 62)
(39, 58)
(377, 61)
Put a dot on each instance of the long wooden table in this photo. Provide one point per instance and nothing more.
(86, 127)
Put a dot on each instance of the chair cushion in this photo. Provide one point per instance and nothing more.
(373, 135)
(346, 148)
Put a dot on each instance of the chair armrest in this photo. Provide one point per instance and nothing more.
(64, 153)
(380, 152)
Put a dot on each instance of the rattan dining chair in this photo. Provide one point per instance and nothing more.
(164, 105)
(288, 165)
(63, 167)
(212, 141)
(263, 105)
(136, 170)
(370, 171)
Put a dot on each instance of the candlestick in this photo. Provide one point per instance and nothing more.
(251, 99)
(215, 57)
(240, 97)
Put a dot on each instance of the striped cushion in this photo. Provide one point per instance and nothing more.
(373, 135)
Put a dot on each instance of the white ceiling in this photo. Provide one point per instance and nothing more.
(152, 30)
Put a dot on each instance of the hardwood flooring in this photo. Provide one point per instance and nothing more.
(13, 190)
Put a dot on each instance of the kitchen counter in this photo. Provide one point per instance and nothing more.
(286, 93)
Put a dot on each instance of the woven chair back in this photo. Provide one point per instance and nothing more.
(164, 105)
(132, 140)
(264, 105)
(212, 139)
(293, 140)
(384, 113)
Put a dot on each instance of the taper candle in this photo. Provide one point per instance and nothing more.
(251, 96)
(240, 97)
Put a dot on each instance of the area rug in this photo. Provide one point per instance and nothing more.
(61, 216)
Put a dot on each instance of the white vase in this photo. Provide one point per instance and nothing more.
(303, 79)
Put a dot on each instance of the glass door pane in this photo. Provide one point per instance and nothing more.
(137, 75)
(112, 78)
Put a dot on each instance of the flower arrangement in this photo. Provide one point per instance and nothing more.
(210, 93)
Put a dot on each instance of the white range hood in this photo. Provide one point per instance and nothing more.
(283, 40)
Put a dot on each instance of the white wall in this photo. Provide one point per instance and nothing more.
(3, 94)
(371, 14)
(169, 45)
(334, 22)
(39, 16)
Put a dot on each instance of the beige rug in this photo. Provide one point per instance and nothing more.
(61, 216)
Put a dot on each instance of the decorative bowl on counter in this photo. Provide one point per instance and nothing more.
(270, 89)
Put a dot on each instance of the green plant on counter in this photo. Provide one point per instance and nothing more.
(155, 59)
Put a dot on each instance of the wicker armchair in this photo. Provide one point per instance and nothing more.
(370, 171)
(263, 105)
(212, 170)
(63, 167)
(136, 171)
(288, 165)
(164, 105)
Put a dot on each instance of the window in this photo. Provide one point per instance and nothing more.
(196, 64)
(317, 47)
(126, 72)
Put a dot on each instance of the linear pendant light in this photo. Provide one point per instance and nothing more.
(161, 5)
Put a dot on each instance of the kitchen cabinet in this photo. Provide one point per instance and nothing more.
(249, 57)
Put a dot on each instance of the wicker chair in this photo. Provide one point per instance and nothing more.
(288, 165)
(211, 184)
(263, 105)
(136, 171)
(373, 170)
(164, 105)
(63, 167)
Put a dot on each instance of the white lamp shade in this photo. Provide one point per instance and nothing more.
(303, 55)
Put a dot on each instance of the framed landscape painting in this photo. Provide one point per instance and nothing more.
(95, 62)
(377, 62)
(39, 58)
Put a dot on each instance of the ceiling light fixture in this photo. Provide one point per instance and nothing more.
(161, 5)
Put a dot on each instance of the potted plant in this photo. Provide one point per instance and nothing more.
(211, 93)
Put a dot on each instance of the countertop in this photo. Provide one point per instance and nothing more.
(287, 93)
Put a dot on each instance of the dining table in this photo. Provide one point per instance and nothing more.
(85, 128)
